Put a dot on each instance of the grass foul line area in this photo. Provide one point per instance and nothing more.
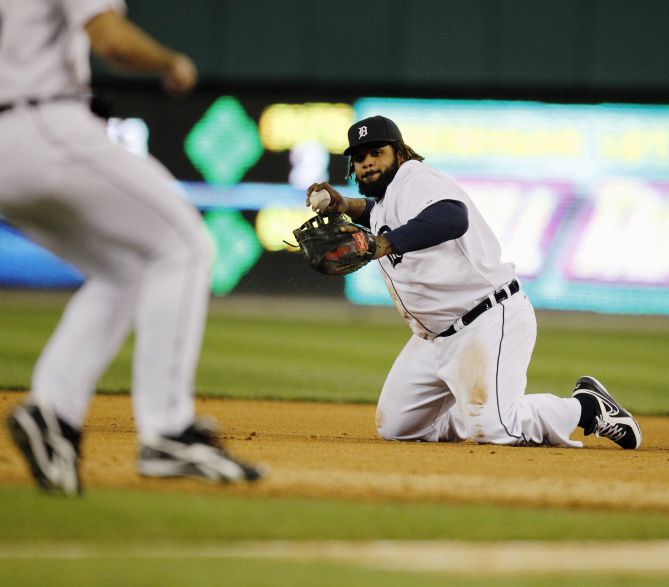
(467, 557)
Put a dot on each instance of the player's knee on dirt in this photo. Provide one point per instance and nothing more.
(388, 432)
(403, 427)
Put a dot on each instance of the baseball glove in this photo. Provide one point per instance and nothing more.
(329, 250)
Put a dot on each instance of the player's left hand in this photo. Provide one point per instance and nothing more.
(332, 245)
(382, 245)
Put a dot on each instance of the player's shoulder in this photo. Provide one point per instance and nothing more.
(430, 179)
(418, 170)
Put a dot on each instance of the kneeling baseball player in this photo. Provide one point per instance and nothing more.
(463, 373)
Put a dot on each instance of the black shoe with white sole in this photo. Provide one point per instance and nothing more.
(50, 446)
(611, 420)
(195, 453)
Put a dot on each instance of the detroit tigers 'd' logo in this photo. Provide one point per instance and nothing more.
(362, 131)
(395, 258)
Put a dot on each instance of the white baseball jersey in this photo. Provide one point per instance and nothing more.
(44, 50)
(435, 286)
(470, 385)
(113, 215)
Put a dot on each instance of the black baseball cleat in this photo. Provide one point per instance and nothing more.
(50, 445)
(196, 453)
(611, 419)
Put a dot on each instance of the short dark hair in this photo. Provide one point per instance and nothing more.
(402, 151)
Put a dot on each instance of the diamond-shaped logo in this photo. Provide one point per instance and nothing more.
(224, 144)
(237, 248)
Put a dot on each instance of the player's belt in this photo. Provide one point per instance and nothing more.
(32, 102)
(499, 296)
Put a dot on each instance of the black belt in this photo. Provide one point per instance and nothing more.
(32, 102)
(500, 295)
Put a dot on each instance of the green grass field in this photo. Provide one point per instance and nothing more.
(260, 349)
(255, 349)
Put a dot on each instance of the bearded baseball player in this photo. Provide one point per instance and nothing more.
(463, 373)
(115, 216)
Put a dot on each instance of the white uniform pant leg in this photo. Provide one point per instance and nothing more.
(485, 366)
(142, 248)
(76, 354)
(414, 403)
(170, 326)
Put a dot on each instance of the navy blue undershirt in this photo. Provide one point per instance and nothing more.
(443, 221)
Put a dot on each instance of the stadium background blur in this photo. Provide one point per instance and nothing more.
(553, 115)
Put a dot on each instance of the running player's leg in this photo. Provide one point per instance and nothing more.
(145, 254)
(93, 326)
(414, 403)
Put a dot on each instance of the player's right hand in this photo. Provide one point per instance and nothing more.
(338, 203)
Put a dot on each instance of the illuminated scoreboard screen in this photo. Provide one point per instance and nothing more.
(577, 194)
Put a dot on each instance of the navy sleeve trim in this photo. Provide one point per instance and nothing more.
(442, 221)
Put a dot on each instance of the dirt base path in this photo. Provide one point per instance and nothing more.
(332, 451)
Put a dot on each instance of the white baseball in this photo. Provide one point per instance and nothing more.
(319, 200)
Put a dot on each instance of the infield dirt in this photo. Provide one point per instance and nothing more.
(332, 451)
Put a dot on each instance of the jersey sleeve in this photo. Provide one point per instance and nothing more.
(79, 12)
(427, 188)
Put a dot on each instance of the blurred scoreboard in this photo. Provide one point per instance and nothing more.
(577, 194)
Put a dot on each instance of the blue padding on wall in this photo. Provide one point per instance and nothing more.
(24, 264)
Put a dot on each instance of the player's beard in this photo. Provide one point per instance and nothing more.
(377, 189)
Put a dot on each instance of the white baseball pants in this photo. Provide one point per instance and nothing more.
(471, 385)
(142, 248)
